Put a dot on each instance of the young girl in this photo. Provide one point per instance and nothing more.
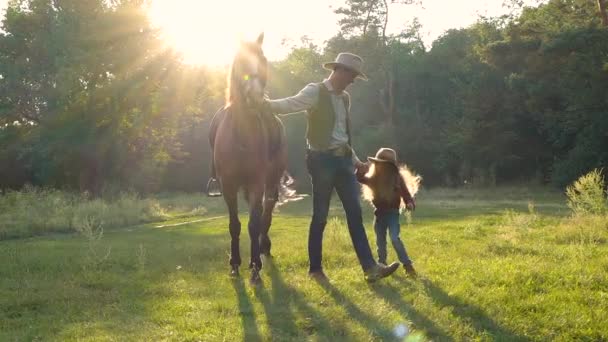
(385, 186)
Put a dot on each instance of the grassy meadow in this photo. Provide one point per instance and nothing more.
(502, 264)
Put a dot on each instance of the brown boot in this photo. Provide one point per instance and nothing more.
(409, 269)
(379, 271)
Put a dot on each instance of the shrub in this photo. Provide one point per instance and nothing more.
(587, 195)
(33, 211)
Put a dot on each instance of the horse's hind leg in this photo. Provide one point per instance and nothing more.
(273, 182)
(231, 199)
(270, 201)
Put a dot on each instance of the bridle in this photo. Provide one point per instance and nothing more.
(247, 81)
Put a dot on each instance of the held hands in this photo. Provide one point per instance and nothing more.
(410, 204)
(361, 168)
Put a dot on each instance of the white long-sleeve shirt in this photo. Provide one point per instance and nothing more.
(309, 97)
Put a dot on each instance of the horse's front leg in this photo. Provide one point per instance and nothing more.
(231, 199)
(255, 220)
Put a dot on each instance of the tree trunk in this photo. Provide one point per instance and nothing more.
(387, 103)
(601, 5)
(386, 22)
(89, 178)
(367, 19)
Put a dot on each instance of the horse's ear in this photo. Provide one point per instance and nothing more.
(260, 39)
(241, 38)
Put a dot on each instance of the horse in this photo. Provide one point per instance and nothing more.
(249, 153)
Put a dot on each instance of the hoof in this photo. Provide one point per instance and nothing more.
(255, 277)
(234, 271)
(267, 254)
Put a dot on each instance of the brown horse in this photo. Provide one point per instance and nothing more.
(250, 153)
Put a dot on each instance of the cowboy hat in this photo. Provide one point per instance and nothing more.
(349, 61)
(385, 155)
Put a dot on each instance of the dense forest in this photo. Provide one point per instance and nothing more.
(91, 99)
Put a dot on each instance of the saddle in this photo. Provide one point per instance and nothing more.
(270, 124)
(274, 129)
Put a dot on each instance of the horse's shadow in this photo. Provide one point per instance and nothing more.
(281, 321)
(283, 301)
(250, 328)
(291, 316)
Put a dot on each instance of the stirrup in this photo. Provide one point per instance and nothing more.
(213, 188)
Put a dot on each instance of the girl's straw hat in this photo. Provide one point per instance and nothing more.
(385, 155)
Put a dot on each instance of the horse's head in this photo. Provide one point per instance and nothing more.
(249, 73)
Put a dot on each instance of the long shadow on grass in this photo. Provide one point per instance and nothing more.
(283, 324)
(392, 296)
(278, 313)
(357, 314)
(250, 328)
(471, 314)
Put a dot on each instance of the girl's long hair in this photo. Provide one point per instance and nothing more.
(383, 178)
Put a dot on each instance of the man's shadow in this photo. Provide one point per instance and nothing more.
(470, 314)
(357, 314)
(392, 296)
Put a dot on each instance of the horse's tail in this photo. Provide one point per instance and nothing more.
(286, 179)
(286, 191)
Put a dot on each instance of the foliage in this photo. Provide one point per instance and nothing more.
(96, 96)
(90, 99)
(588, 194)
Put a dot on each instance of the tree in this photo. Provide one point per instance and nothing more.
(93, 90)
(366, 22)
(556, 56)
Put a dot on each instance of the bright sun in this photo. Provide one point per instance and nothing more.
(207, 32)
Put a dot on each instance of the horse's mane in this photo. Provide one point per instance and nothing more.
(233, 93)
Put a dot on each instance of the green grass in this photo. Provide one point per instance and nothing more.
(498, 264)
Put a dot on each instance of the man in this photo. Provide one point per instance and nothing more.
(331, 160)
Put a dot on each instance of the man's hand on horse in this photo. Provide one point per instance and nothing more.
(264, 106)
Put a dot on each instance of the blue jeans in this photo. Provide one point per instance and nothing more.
(389, 220)
(326, 173)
